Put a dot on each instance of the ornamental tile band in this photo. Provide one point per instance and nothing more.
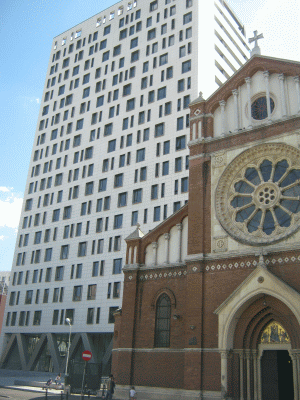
(162, 275)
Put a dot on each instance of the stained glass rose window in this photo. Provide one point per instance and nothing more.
(258, 195)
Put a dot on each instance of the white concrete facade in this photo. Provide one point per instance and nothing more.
(111, 156)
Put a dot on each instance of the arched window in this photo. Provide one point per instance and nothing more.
(162, 321)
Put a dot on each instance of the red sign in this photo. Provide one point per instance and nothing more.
(86, 355)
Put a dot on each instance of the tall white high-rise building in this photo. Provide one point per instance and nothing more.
(110, 152)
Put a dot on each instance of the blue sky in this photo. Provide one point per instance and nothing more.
(27, 28)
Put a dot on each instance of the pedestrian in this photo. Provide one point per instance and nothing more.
(132, 393)
(57, 380)
(110, 385)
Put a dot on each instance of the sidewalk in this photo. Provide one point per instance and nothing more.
(27, 380)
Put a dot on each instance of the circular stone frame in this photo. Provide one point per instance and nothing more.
(234, 172)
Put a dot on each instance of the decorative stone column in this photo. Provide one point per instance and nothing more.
(222, 105)
(224, 376)
(179, 227)
(199, 129)
(255, 380)
(295, 374)
(129, 261)
(248, 82)
(154, 247)
(258, 377)
(282, 94)
(266, 77)
(194, 131)
(236, 110)
(248, 360)
(296, 79)
(298, 369)
(135, 261)
(241, 355)
(167, 247)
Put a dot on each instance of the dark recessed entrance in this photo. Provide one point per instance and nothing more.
(277, 375)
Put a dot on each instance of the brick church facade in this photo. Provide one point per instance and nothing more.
(211, 305)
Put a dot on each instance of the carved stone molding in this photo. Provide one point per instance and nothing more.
(220, 159)
(220, 244)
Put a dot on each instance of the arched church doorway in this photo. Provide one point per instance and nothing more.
(276, 363)
(277, 375)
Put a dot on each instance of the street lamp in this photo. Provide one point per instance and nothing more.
(68, 321)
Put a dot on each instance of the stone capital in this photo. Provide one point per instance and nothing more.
(154, 245)
(248, 80)
(179, 227)
(167, 236)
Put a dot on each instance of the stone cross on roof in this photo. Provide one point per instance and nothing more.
(255, 38)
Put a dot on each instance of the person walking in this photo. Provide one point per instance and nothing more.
(110, 386)
(132, 393)
(58, 380)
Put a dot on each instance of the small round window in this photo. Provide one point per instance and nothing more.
(259, 110)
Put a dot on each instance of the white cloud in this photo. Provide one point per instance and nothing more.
(2, 237)
(4, 189)
(10, 209)
(38, 101)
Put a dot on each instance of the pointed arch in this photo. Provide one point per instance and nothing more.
(162, 321)
(258, 284)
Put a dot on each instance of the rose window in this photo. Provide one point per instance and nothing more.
(259, 108)
(260, 203)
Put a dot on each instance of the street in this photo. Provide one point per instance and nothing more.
(26, 395)
(23, 395)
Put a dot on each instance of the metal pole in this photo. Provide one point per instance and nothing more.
(46, 393)
(83, 376)
(68, 352)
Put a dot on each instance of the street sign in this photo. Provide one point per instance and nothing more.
(86, 355)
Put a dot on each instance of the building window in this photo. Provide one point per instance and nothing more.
(137, 196)
(156, 214)
(111, 146)
(37, 318)
(82, 249)
(108, 129)
(163, 59)
(180, 123)
(134, 218)
(59, 272)
(162, 322)
(90, 316)
(117, 265)
(161, 93)
(91, 293)
(116, 290)
(77, 293)
(111, 318)
(159, 130)
(184, 185)
(186, 66)
(140, 155)
(135, 56)
(176, 206)
(180, 143)
(118, 180)
(118, 221)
